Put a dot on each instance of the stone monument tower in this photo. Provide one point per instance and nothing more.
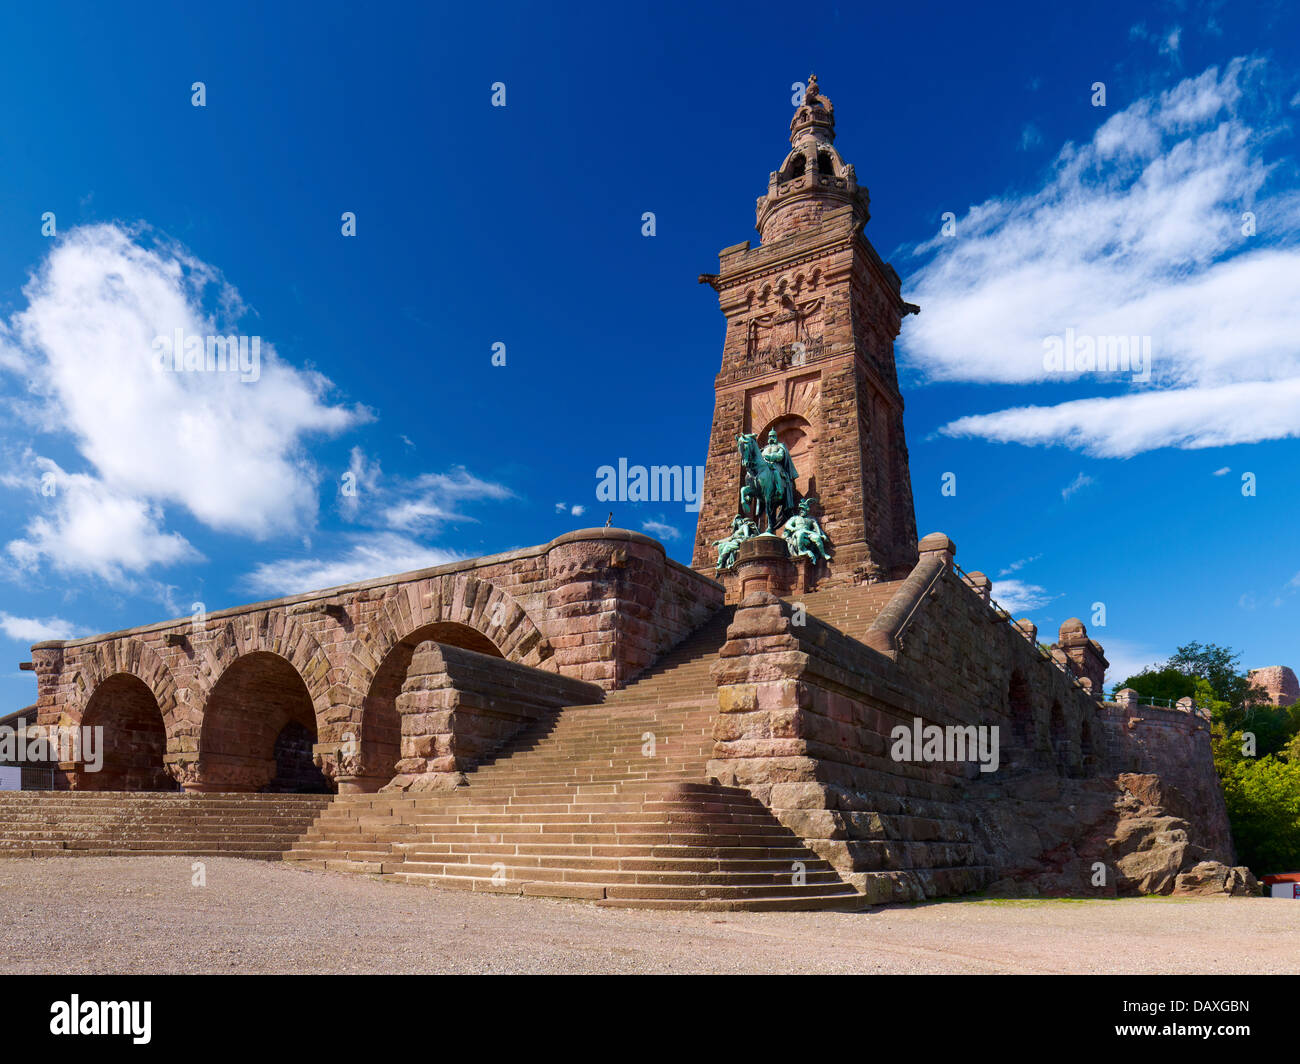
(812, 314)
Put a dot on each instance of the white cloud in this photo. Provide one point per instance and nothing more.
(228, 451)
(1222, 471)
(31, 630)
(1030, 136)
(433, 497)
(1019, 564)
(660, 529)
(578, 511)
(362, 479)
(370, 556)
(1125, 658)
(1118, 428)
(1016, 596)
(92, 529)
(1076, 485)
(1137, 232)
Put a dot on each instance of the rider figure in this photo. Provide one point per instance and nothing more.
(778, 455)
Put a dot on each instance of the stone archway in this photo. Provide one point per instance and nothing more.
(122, 711)
(369, 758)
(132, 739)
(455, 599)
(259, 725)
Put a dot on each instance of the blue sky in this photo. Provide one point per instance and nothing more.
(522, 225)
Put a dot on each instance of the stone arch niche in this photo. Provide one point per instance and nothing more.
(796, 433)
(366, 758)
(1020, 706)
(1087, 747)
(453, 707)
(259, 726)
(133, 738)
(498, 623)
(791, 408)
(1060, 736)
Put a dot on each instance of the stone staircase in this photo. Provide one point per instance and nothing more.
(850, 609)
(140, 824)
(609, 803)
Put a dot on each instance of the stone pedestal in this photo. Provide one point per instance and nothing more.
(763, 564)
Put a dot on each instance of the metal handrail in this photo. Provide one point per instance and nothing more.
(903, 626)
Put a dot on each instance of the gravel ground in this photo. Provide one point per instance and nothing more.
(141, 915)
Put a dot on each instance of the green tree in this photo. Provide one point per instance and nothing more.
(1263, 799)
(1256, 749)
(1166, 684)
(1177, 678)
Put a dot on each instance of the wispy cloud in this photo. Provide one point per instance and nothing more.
(1141, 231)
(1016, 596)
(1075, 486)
(32, 630)
(1016, 566)
(660, 529)
(433, 498)
(369, 556)
(1030, 137)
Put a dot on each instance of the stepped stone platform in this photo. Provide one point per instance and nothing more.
(136, 824)
(609, 803)
(589, 718)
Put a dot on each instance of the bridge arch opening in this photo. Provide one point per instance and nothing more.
(133, 740)
(258, 729)
(381, 725)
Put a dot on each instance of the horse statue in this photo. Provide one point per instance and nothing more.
(768, 487)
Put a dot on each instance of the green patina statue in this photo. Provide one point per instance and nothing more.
(804, 536)
(768, 492)
(742, 528)
(768, 489)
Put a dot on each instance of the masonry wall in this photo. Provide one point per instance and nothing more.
(843, 393)
(457, 706)
(597, 605)
(806, 716)
(1175, 745)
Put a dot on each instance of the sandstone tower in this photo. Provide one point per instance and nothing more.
(812, 314)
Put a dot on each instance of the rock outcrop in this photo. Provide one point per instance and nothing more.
(1133, 835)
(1279, 681)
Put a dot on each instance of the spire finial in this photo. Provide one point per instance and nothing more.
(815, 115)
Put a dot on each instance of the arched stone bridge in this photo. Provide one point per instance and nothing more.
(301, 693)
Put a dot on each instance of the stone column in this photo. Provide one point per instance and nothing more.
(763, 564)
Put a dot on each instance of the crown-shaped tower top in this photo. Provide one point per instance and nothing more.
(814, 178)
(815, 117)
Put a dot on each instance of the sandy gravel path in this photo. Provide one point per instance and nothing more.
(141, 914)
